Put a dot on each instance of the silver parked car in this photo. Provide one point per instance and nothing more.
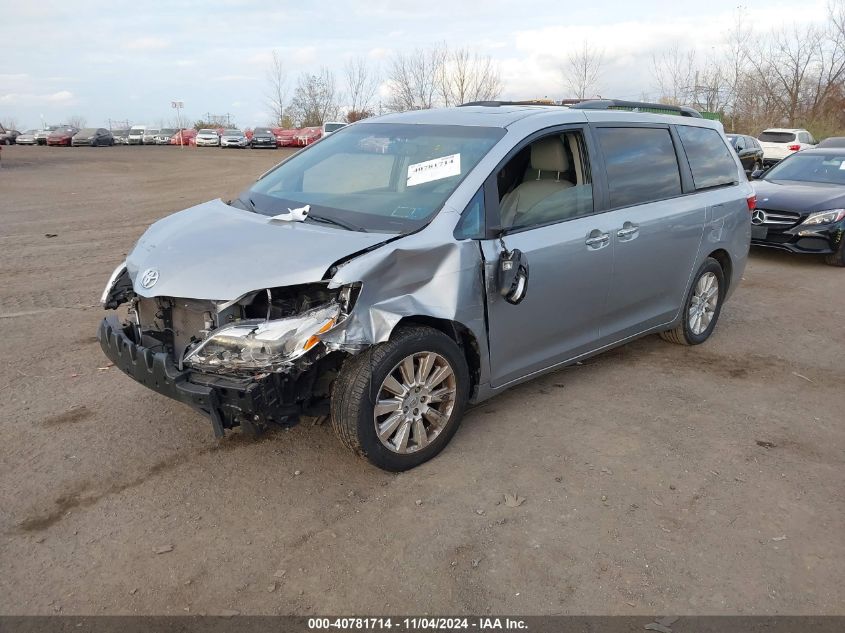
(233, 138)
(413, 263)
(27, 138)
(163, 136)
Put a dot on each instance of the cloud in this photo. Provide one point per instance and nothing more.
(62, 96)
(378, 53)
(146, 44)
(20, 98)
(304, 56)
(234, 78)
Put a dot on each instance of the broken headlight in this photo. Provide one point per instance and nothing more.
(263, 345)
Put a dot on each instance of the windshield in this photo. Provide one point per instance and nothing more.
(88, 131)
(332, 127)
(801, 167)
(168, 131)
(776, 137)
(233, 133)
(732, 138)
(377, 177)
(135, 131)
(207, 132)
(262, 130)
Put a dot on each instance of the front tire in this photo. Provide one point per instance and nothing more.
(702, 306)
(837, 258)
(400, 402)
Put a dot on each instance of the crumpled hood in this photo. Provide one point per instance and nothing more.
(798, 197)
(217, 252)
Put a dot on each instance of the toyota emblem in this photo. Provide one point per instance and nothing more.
(757, 218)
(149, 278)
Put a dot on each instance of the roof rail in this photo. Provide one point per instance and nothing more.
(617, 104)
(496, 104)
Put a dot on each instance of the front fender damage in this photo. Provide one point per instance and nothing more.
(420, 275)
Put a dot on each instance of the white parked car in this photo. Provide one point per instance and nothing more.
(208, 138)
(150, 135)
(233, 138)
(778, 143)
(332, 126)
(136, 134)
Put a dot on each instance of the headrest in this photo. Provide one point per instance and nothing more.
(548, 155)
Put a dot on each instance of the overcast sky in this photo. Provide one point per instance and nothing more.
(105, 59)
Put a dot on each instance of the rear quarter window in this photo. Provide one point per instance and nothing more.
(709, 159)
(641, 165)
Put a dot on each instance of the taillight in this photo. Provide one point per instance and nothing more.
(751, 201)
(793, 148)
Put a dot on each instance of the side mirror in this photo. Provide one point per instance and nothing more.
(513, 276)
(757, 174)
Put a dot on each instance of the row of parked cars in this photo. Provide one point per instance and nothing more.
(69, 135)
(775, 144)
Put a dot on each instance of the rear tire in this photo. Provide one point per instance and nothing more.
(423, 420)
(702, 306)
(837, 258)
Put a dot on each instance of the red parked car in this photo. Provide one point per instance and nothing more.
(284, 138)
(308, 135)
(188, 137)
(61, 136)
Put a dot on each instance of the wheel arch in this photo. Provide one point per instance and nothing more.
(723, 257)
(461, 335)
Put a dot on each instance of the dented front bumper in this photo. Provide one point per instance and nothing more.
(227, 401)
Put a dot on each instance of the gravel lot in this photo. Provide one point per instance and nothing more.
(656, 478)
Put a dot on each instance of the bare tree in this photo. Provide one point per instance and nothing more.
(361, 85)
(277, 78)
(467, 76)
(315, 99)
(413, 78)
(582, 71)
(674, 73)
(77, 121)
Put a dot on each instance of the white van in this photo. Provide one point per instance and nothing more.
(136, 134)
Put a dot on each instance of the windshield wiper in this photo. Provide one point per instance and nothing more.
(340, 223)
(247, 203)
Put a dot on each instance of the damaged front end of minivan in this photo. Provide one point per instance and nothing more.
(272, 355)
(250, 362)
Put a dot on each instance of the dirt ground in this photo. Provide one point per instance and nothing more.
(656, 478)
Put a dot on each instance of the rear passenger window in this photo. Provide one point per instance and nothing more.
(641, 165)
(709, 158)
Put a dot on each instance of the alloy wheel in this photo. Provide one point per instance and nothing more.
(415, 402)
(703, 303)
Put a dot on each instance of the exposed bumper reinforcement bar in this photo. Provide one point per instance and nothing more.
(228, 402)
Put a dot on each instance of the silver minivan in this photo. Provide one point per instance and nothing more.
(410, 264)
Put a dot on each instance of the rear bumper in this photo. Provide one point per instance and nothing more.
(228, 402)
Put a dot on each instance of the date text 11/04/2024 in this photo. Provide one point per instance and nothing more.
(417, 624)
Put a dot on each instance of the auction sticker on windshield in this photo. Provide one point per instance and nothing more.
(435, 169)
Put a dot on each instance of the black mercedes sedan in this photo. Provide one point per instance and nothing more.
(801, 204)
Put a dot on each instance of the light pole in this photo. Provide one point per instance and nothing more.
(178, 105)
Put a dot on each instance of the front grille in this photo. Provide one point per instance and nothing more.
(780, 220)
